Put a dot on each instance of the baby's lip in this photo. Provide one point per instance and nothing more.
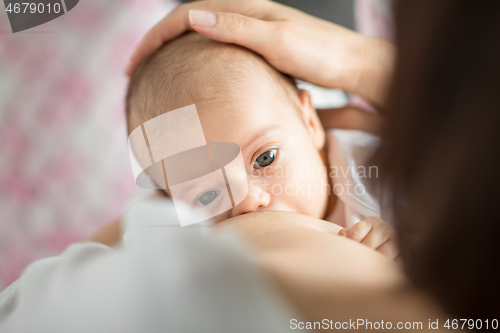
(277, 207)
(267, 210)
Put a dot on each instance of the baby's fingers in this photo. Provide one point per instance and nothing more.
(357, 232)
(377, 237)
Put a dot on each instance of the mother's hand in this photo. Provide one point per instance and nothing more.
(293, 42)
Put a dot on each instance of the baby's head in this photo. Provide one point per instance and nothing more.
(241, 99)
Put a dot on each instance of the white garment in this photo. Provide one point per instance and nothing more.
(354, 181)
(165, 279)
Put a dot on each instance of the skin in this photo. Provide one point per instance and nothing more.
(376, 234)
(293, 42)
(354, 63)
(260, 114)
(266, 123)
(326, 276)
(323, 275)
(300, 140)
(260, 111)
(304, 263)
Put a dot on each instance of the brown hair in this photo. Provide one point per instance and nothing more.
(440, 163)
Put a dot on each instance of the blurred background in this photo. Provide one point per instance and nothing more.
(64, 166)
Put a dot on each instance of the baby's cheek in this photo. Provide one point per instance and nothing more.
(309, 195)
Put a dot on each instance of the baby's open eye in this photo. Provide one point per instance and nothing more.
(265, 159)
(208, 197)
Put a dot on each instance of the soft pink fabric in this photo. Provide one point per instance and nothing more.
(64, 167)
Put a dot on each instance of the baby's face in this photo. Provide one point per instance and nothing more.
(283, 161)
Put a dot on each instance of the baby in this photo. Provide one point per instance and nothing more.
(291, 163)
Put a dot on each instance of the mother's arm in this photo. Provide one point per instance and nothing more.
(293, 42)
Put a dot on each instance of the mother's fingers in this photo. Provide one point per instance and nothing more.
(254, 34)
(177, 22)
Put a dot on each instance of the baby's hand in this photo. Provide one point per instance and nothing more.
(375, 233)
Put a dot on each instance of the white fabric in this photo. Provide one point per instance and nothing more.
(166, 279)
(348, 154)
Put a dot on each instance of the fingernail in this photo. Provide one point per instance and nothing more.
(202, 18)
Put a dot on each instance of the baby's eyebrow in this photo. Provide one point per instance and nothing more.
(261, 132)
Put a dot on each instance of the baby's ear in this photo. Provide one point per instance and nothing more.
(311, 119)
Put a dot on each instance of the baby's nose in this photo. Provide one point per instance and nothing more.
(256, 199)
